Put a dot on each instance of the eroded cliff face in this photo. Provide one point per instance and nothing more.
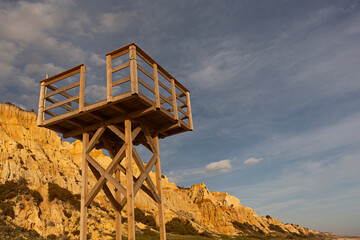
(41, 157)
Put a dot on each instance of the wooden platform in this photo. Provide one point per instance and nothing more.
(153, 98)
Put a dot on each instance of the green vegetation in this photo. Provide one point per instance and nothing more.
(55, 191)
(179, 226)
(148, 220)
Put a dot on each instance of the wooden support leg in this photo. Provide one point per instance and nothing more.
(118, 213)
(129, 181)
(159, 189)
(84, 182)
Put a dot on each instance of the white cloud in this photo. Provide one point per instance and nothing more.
(43, 69)
(252, 160)
(220, 166)
(113, 22)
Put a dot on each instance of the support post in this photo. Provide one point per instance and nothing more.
(156, 87)
(133, 70)
(159, 189)
(189, 110)
(40, 118)
(84, 182)
(81, 88)
(173, 89)
(129, 181)
(108, 78)
(118, 213)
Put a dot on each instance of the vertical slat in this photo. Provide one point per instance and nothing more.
(84, 182)
(189, 110)
(133, 70)
(109, 78)
(82, 88)
(40, 117)
(129, 181)
(173, 89)
(118, 213)
(156, 87)
(159, 189)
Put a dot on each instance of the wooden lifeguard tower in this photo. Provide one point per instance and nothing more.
(143, 104)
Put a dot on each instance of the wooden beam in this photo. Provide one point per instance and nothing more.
(189, 110)
(176, 115)
(129, 180)
(61, 103)
(116, 119)
(60, 90)
(133, 70)
(120, 67)
(65, 94)
(68, 73)
(147, 86)
(82, 88)
(95, 138)
(108, 78)
(40, 116)
(156, 86)
(118, 212)
(114, 203)
(116, 108)
(121, 81)
(84, 186)
(159, 188)
(110, 170)
(62, 106)
(145, 72)
(117, 131)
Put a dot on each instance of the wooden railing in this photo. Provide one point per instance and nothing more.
(140, 75)
(66, 104)
(166, 91)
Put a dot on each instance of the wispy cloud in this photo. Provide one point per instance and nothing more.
(252, 160)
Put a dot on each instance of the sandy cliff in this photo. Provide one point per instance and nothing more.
(41, 157)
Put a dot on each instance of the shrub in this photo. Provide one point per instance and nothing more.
(37, 197)
(268, 216)
(19, 146)
(55, 191)
(67, 214)
(148, 220)
(7, 209)
(76, 232)
(11, 189)
(51, 237)
(178, 226)
(276, 228)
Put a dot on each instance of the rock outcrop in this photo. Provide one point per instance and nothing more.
(39, 156)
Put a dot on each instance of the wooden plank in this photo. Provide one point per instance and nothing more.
(108, 78)
(57, 104)
(146, 85)
(117, 131)
(116, 119)
(63, 75)
(82, 88)
(116, 108)
(59, 90)
(133, 70)
(184, 117)
(165, 87)
(189, 110)
(129, 181)
(62, 106)
(120, 67)
(149, 139)
(182, 100)
(135, 132)
(114, 203)
(120, 51)
(159, 189)
(51, 113)
(110, 170)
(65, 94)
(121, 81)
(145, 72)
(105, 174)
(40, 116)
(94, 140)
(182, 111)
(176, 115)
(164, 99)
(118, 212)
(156, 85)
(144, 171)
(84, 187)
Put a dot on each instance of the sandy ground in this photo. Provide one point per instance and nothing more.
(348, 238)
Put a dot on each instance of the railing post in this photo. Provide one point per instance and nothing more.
(173, 89)
(189, 110)
(40, 117)
(133, 70)
(156, 87)
(108, 78)
(84, 182)
(82, 88)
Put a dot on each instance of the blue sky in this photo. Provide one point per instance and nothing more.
(275, 90)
